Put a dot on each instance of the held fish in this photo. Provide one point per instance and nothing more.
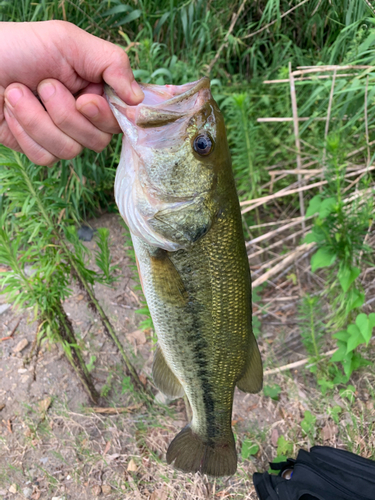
(175, 190)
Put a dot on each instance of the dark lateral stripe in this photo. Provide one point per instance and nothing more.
(199, 347)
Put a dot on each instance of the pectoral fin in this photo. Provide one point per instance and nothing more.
(252, 379)
(164, 378)
(167, 281)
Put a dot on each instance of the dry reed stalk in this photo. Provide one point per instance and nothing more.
(285, 192)
(225, 43)
(349, 155)
(296, 364)
(278, 243)
(303, 171)
(273, 22)
(370, 6)
(281, 299)
(282, 119)
(307, 78)
(274, 223)
(270, 234)
(260, 201)
(297, 141)
(366, 124)
(319, 69)
(289, 258)
(327, 124)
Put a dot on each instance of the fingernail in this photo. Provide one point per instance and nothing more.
(137, 91)
(46, 90)
(13, 96)
(90, 110)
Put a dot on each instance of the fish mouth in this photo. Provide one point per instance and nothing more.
(162, 104)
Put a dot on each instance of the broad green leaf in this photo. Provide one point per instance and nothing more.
(135, 14)
(356, 300)
(284, 447)
(347, 276)
(249, 448)
(272, 391)
(365, 324)
(162, 71)
(343, 335)
(324, 257)
(308, 422)
(141, 73)
(340, 354)
(355, 338)
(314, 205)
(316, 236)
(118, 9)
(326, 207)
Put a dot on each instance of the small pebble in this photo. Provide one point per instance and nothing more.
(27, 492)
(106, 489)
(21, 345)
(96, 490)
(13, 488)
(85, 233)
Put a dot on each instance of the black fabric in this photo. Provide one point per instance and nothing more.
(324, 473)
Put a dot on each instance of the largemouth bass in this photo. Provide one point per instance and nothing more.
(175, 190)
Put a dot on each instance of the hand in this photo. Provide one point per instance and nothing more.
(65, 67)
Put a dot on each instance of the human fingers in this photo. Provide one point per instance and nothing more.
(61, 107)
(96, 60)
(6, 136)
(95, 108)
(40, 139)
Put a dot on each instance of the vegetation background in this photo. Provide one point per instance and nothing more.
(308, 222)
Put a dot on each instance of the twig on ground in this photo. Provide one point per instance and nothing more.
(12, 332)
(296, 364)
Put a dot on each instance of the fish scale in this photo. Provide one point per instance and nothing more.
(193, 264)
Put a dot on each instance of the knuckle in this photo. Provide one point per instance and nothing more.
(69, 151)
(41, 157)
(62, 119)
(122, 55)
(102, 143)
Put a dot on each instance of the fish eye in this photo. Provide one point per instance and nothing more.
(203, 144)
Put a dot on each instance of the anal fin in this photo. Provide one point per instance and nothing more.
(252, 378)
(164, 378)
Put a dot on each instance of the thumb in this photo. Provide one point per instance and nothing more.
(96, 60)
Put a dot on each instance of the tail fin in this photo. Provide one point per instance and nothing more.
(189, 453)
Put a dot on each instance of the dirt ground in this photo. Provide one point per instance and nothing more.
(54, 445)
